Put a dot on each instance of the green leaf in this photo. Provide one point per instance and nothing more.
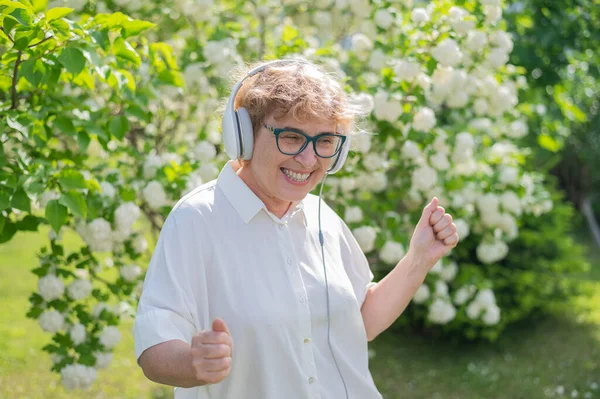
(39, 5)
(2, 222)
(57, 13)
(548, 142)
(4, 200)
(134, 27)
(33, 70)
(289, 33)
(75, 202)
(71, 179)
(101, 37)
(22, 16)
(119, 126)
(124, 50)
(21, 201)
(29, 223)
(65, 124)
(8, 232)
(56, 215)
(83, 139)
(171, 77)
(9, 23)
(72, 59)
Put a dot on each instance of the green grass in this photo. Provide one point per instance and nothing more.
(531, 360)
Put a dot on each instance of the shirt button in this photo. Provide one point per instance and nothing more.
(311, 380)
(302, 299)
(306, 340)
(281, 227)
(289, 261)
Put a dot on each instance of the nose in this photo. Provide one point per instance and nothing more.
(307, 158)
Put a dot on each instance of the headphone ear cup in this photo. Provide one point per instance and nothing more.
(341, 157)
(246, 132)
(231, 137)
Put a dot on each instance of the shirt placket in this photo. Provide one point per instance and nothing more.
(305, 333)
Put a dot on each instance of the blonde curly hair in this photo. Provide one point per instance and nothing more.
(299, 88)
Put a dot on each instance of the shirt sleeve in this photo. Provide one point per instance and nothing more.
(168, 307)
(356, 264)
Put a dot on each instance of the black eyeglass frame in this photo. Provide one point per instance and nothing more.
(277, 131)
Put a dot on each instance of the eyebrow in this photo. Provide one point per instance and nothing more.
(300, 130)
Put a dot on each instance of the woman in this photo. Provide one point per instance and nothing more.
(255, 292)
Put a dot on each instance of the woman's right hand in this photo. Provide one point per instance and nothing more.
(211, 353)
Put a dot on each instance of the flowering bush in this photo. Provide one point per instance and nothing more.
(108, 121)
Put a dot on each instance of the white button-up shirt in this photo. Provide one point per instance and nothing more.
(221, 253)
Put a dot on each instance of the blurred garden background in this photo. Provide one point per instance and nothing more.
(109, 113)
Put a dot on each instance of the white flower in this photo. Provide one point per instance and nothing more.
(155, 195)
(97, 234)
(511, 202)
(392, 252)
(438, 267)
(56, 358)
(419, 15)
(502, 40)
(383, 18)
(449, 271)
(424, 177)
(377, 182)
(77, 333)
(140, 244)
(492, 13)
(441, 289)
(491, 315)
(441, 312)
(488, 203)
(205, 151)
(485, 298)
(439, 161)
(424, 120)
(108, 190)
(508, 224)
(463, 294)
(102, 359)
(410, 150)
(517, 129)
(208, 171)
(361, 142)
(130, 272)
(462, 228)
(347, 184)
(407, 70)
(480, 106)
(77, 376)
(373, 161)
(365, 236)
(99, 308)
(110, 336)
(509, 175)
(50, 287)
(79, 289)
(422, 294)
(378, 59)
(151, 165)
(387, 108)
(496, 58)
(362, 8)
(362, 45)
(51, 321)
(492, 252)
(48, 196)
(353, 214)
(322, 18)
(447, 53)
(476, 40)
(126, 215)
(474, 310)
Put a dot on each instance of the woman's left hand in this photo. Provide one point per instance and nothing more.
(434, 236)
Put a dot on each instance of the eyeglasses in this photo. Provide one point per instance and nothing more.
(292, 141)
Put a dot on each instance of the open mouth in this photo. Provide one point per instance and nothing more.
(296, 177)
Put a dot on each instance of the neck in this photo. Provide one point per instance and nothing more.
(274, 205)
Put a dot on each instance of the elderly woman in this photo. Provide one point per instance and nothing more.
(253, 290)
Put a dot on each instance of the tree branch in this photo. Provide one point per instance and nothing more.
(40, 42)
(7, 34)
(14, 80)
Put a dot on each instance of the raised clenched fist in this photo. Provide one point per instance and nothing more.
(211, 353)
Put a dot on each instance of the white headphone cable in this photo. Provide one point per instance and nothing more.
(321, 240)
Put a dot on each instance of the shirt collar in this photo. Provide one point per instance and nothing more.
(243, 199)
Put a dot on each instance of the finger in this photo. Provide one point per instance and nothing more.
(214, 351)
(447, 232)
(452, 240)
(444, 222)
(428, 210)
(212, 377)
(437, 215)
(215, 337)
(219, 325)
(213, 365)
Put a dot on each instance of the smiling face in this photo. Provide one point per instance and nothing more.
(279, 179)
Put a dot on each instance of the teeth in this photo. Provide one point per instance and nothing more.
(296, 176)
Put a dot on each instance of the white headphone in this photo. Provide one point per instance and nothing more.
(238, 135)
